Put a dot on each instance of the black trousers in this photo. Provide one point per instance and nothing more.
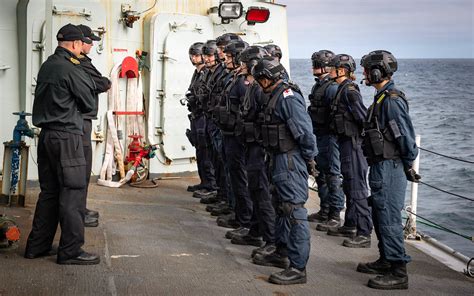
(62, 178)
(235, 158)
(87, 147)
(204, 154)
(263, 215)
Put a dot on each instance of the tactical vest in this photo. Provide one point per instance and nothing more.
(197, 90)
(248, 128)
(319, 110)
(342, 121)
(228, 111)
(211, 81)
(276, 136)
(217, 95)
(379, 145)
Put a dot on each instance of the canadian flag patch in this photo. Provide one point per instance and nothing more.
(287, 93)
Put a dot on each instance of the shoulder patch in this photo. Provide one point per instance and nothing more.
(74, 61)
(246, 82)
(288, 92)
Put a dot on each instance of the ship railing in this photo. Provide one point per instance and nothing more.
(410, 225)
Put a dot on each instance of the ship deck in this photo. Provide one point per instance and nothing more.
(161, 241)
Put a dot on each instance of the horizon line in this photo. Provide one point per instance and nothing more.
(463, 58)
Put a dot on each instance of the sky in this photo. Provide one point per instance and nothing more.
(407, 28)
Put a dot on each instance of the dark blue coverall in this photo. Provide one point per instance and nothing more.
(353, 163)
(263, 215)
(290, 177)
(199, 127)
(387, 179)
(329, 165)
(235, 155)
(222, 169)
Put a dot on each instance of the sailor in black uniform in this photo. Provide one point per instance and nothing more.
(63, 93)
(101, 84)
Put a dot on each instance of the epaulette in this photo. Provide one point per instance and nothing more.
(74, 61)
(291, 84)
(351, 87)
(395, 94)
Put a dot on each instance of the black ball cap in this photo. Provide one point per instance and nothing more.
(70, 32)
(87, 31)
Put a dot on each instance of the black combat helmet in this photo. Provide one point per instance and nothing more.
(252, 54)
(196, 48)
(322, 58)
(274, 50)
(224, 39)
(234, 48)
(379, 64)
(210, 48)
(343, 61)
(268, 67)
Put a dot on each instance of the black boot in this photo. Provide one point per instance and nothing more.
(342, 231)
(192, 188)
(397, 279)
(92, 213)
(273, 259)
(219, 211)
(213, 199)
(227, 221)
(334, 221)
(360, 241)
(381, 266)
(247, 240)
(265, 250)
(204, 193)
(321, 216)
(288, 276)
(211, 207)
(90, 221)
(241, 231)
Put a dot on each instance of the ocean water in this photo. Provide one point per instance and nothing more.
(441, 100)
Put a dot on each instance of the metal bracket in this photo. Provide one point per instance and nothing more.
(264, 42)
(198, 28)
(87, 14)
(101, 32)
(175, 26)
(469, 271)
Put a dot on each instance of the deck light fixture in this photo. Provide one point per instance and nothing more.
(230, 10)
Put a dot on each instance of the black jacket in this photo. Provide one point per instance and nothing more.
(63, 92)
(102, 84)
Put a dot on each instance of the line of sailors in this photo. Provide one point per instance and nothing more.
(257, 143)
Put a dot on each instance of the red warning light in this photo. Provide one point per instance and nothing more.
(257, 15)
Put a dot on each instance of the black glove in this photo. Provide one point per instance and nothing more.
(412, 175)
(311, 166)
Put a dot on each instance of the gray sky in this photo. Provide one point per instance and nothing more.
(407, 28)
